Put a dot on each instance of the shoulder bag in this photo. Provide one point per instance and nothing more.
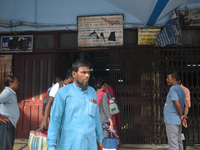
(114, 109)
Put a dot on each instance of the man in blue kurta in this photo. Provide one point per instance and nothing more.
(75, 122)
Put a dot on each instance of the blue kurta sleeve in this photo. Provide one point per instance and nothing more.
(55, 120)
(98, 125)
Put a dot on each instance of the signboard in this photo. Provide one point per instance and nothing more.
(100, 31)
(20, 43)
(189, 17)
(170, 32)
(147, 36)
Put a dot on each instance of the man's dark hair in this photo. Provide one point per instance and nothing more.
(79, 63)
(69, 73)
(9, 79)
(175, 74)
(54, 81)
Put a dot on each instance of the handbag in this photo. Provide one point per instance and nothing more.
(110, 143)
(38, 140)
(114, 109)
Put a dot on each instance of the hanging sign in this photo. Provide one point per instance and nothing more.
(100, 31)
(147, 36)
(20, 43)
(170, 32)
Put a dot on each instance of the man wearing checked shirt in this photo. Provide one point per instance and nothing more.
(9, 113)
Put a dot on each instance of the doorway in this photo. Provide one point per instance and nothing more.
(99, 63)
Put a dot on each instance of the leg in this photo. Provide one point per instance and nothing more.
(7, 132)
(179, 138)
(184, 133)
(10, 137)
(172, 136)
(2, 133)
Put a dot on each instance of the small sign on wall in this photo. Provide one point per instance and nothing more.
(100, 31)
(20, 43)
(147, 36)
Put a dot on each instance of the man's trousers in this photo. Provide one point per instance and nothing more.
(7, 135)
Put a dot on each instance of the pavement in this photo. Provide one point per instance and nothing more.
(22, 144)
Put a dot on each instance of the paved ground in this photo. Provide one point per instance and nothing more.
(22, 144)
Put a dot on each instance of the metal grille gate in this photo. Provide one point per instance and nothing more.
(138, 76)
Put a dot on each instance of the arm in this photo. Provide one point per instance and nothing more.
(44, 123)
(52, 94)
(187, 95)
(106, 110)
(186, 110)
(55, 121)
(178, 107)
(101, 145)
(4, 97)
(111, 125)
(179, 110)
(4, 119)
(98, 128)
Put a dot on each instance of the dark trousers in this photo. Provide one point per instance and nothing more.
(7, 136)
(184, 141)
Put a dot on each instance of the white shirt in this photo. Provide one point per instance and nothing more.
(54, 90)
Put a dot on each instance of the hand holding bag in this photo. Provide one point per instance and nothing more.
(38, 140)
(106, 125)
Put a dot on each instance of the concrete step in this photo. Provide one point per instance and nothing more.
(149, 147)
(22, 144)
(144, 147)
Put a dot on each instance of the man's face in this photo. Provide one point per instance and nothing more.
(169, 79)
(14, 85)
(82, 77)
(57, 79)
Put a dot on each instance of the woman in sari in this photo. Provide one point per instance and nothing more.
(103, 104)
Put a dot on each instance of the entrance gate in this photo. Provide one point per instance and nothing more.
(138, 76)
(35, 74)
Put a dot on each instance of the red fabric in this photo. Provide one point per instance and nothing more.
(45, 96)
(112, 93)
(115, 118)
(99, 95)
